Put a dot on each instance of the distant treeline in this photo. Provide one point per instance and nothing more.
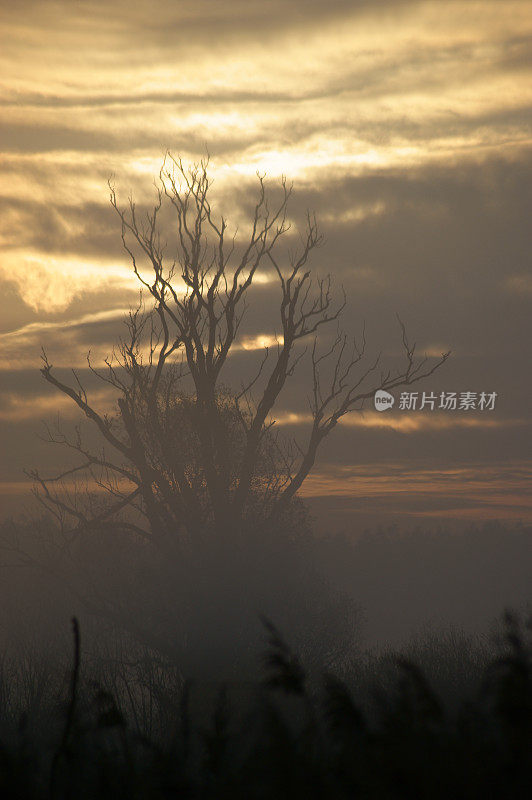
(405, 578)
(333, 596)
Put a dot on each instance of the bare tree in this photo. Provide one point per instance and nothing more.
(207, 457)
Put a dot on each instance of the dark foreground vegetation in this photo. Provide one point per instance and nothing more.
(286, 736)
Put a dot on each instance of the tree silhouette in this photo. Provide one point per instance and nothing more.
(206, 457)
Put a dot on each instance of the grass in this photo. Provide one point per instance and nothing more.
(285, 736)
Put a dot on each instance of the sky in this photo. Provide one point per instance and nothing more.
(404, 125)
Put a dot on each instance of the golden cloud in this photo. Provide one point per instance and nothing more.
(407, 423)
(19, 407)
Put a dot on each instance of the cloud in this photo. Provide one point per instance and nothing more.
(519, 284)
(66, 340)
(475, 483)
(18, 408)
(47, 283)
(405, 125)
(407, 423)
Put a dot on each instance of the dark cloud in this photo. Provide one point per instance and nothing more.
(14, 312)
(36, 138)
(517, 54)
(81, 229)
(159, 23)
(134, 99)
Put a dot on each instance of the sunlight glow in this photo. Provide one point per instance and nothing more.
(50, 283)
(17, 407)
(406, 423)
(261, 341)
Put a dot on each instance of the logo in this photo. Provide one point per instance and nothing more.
(383, 400)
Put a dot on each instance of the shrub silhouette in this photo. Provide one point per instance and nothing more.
(295, 740)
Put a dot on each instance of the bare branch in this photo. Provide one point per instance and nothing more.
(206, 456)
